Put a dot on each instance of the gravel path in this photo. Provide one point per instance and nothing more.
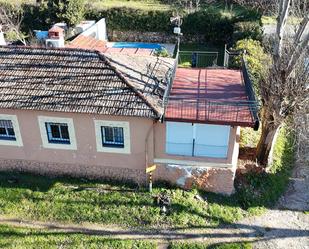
(287, 226)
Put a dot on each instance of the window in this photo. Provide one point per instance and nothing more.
(197, 140)
(112, 136)
(7, 130)
(58, 133)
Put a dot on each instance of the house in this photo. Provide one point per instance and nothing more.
(79, 112)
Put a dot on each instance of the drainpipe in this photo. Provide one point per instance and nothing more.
(146, 143)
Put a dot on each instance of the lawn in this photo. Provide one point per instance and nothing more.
(104, 4)
(135, 4)
(31, 197)
(25, 238)
(71, 200)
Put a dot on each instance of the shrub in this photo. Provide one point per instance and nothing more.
(247, 30)
(256, 58)
(161, 52)
(215, 27)
(264, 189)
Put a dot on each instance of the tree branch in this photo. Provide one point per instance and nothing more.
(281, 22)
(300, 48)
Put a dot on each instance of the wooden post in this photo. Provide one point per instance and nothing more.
(150, 182)
(149, 171)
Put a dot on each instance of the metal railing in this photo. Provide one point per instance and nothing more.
(170, 79)
(201, 109)
(197, 59)
(205, 110)
(249, 90)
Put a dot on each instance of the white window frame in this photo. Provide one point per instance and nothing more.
(44, 136)
(18, 142)
(60, 140)
(126, 136)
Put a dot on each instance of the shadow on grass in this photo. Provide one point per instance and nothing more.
(240, 232)
(34, 182)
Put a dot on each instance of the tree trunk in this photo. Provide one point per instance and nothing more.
(269, 130)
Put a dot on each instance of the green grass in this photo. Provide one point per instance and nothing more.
(135, 4)
(197, 245)
(263, 190)
(33, 197)
(69, 200)
(226, 11)
(105, 4)
(25, 238)
(266, 20)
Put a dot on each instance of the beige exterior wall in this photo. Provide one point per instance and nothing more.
(90, 161)
(85, 157)
(211, 174)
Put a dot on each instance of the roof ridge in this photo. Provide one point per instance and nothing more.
(103, 57)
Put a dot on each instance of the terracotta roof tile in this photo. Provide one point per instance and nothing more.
(68, 80)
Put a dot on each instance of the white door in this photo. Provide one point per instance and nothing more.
(179, 138)
(211, 140)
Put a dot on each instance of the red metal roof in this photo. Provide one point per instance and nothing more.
(209, 96)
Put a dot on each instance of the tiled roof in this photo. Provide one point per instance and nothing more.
(73, 80)
(87, 42)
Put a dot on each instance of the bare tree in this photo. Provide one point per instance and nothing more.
(284, 89)
(11, 20)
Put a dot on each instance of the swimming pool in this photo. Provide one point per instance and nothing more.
(136, 45)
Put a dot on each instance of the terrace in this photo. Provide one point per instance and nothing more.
(203, 92)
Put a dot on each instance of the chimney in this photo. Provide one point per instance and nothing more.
(55, 37)
(2, 40)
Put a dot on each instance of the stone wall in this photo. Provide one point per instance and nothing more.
(152, 37)
(74, 170)
(218, 180)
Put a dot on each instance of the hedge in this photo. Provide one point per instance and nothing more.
(215, 27)
(133, 19)
(209, 24)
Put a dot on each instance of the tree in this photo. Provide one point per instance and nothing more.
(284, 89)
(69, 11)
(11, 18)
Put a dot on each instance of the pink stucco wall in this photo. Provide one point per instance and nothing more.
(86, 153)
(86, 161)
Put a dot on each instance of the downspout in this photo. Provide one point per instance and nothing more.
(146, 143)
